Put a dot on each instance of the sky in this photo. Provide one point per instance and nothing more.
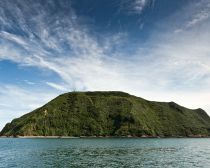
(155, 49)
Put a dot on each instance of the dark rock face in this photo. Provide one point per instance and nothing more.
(109, 114)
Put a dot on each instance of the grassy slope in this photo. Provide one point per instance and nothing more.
(109, 114)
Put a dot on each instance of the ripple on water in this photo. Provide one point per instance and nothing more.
(113, 153)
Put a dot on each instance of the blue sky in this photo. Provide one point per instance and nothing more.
(155, 49)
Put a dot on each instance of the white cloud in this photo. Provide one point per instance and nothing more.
(29, 82)
(196, 14)
(136, 7)
(201, 16)
(57, 86)
(139, 5)
(12, 38)
(16, 101)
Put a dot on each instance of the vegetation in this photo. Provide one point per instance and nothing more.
(109, 114)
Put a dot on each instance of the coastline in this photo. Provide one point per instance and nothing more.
(80, 137)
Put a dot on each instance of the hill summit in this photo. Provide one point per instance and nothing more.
(109, 113)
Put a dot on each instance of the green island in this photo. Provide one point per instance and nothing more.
(109, 114)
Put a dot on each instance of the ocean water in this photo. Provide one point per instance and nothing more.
(105, 152)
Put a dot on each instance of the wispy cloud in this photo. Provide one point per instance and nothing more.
(85, 63)
(139, 5)
(16, 101)
(57, 86)
(29, 82)
(198, 13)
(201, 16)
(70, 52)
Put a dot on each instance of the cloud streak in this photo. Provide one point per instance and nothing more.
(57, 86)
(139, 5)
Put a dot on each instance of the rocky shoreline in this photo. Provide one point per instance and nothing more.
(129, 136)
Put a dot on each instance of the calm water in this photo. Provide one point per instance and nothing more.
(117, 153)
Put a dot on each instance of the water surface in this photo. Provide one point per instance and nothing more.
(105, 152)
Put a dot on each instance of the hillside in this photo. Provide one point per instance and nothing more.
(109, 114)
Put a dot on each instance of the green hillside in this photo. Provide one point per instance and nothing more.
(109, 114)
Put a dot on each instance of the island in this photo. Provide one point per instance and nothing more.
(109, 114)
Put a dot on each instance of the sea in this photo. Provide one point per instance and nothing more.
(105, 152)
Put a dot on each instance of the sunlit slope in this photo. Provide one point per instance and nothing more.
(109, 114)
